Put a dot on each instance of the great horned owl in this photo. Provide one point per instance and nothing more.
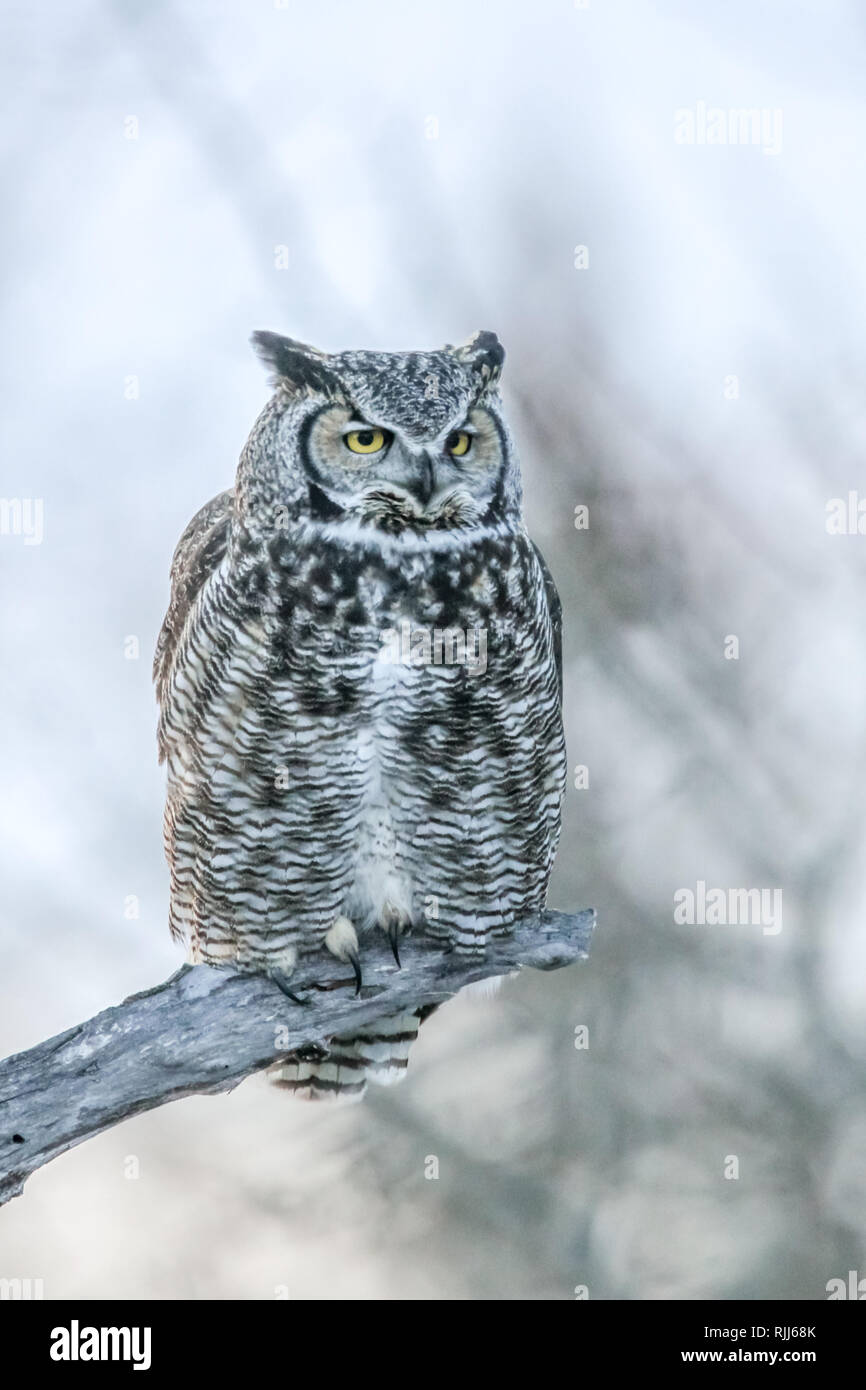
(359, 680)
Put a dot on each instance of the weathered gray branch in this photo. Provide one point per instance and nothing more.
(204, 1030)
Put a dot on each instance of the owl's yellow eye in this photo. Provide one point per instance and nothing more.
(458, 443)
(365, 441)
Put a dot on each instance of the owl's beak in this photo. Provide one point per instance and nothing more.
(425, 484)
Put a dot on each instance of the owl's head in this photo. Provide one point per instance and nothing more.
(404, 442)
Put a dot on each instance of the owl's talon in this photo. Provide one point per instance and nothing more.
(355, 961)
(282, 982)
(394, 923)
(342, 942)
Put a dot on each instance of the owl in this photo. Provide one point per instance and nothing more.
(359, 683)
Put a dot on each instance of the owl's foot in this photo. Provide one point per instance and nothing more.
(394, 923)
(342, 942)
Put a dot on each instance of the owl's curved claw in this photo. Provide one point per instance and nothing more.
(355, 961)
(282, 982)
(394, 939)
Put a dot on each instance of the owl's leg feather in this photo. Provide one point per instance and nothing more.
(342, 942)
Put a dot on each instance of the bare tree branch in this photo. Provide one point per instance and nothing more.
(205, 1029)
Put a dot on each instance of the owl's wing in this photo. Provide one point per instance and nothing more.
(554, 608)
(198, 553)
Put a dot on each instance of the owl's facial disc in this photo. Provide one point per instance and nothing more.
(376, 475)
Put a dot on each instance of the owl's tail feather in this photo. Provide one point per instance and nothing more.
(377, 1053)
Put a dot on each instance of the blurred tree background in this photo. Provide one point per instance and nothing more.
(683, 324)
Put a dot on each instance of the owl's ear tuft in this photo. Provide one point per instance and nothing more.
(483, 354)
(299, 364)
